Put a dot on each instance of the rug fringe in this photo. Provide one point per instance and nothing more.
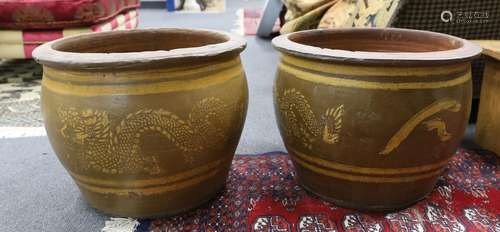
(120, 225)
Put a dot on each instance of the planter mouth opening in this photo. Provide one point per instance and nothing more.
(130, 48)
(386, 46)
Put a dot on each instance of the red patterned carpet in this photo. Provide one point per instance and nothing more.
(262, 195)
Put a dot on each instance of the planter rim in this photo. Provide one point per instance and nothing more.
(46, 54)
(466, 52)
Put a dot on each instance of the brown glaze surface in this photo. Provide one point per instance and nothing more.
(368, 136)
(144, 140)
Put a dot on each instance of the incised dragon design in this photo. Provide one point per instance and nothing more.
(115, 148)
(300, 123)
(294, 107)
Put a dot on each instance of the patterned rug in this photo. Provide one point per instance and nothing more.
(20, 93)
(262, 195)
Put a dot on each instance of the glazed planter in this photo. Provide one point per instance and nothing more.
(370, 117)
(146, 122)
(488, 125)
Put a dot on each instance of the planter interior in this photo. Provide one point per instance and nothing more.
(377, 41)
(140, 41)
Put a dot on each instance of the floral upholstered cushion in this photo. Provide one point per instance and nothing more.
(50, 14)
(19, 44)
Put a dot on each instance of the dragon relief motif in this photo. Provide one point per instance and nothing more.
(300, 123)
(440, 125)
(420, 118)
(116, 148)
(294, 107)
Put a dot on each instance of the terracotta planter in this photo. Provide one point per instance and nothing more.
(145, 121)
(370, 117)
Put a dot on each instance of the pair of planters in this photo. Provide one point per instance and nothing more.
(147, 121)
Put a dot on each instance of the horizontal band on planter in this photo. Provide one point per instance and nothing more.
(138, 77)
(364, 71)
(341, 82)
(370, 179)
(150, 190)
(151, 186)
(364, 170)
(149, 182)
(139, 89)
(380, 78)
